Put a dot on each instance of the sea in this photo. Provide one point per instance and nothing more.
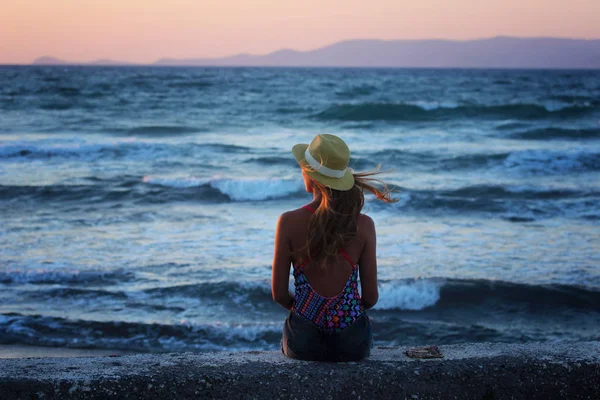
(138, 204)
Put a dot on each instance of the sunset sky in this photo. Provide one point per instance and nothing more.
(145, 30)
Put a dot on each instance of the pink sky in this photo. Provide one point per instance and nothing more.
(144, 30)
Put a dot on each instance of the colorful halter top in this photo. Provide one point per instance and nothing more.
(331, 314)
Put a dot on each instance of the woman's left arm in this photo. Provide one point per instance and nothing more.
(282, 260)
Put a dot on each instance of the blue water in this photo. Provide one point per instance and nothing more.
(138, 205)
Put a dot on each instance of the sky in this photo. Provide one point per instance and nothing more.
(145, 30)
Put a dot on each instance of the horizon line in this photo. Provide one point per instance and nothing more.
(111, 61)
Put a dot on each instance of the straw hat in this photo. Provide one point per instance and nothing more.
(325, 160)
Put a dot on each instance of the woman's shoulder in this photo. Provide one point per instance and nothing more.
(364, 219)
(366, 224)
(292, 216)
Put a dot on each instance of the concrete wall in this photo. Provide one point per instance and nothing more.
(468, 371)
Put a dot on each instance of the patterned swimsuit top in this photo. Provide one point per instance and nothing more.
(331, 314)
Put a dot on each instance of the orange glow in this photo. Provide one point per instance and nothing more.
(145, 30)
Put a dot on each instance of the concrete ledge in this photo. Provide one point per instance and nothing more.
(468, 371)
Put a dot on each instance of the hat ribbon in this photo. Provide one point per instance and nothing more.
(322, 169)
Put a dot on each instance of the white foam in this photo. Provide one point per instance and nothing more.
(176, 182)
(238, 189)
(245, 189)
(434, 105)
(408, 294)
(247, 331)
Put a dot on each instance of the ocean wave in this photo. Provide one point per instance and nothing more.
(575, 99)
(552, 161)
(77, 292)
(256, 189)
(223, 147)
(445, 293)
(413, 112)
(520, 161)
(513, 203)
(71, 276)
(404, 294)
(481, 292)
(241, 189)
(151, 189)
(176, 183)
(356, 91)
(526, 161)
(42, 330)
(403, 158)
(239, 292)
(272, 160)
(65, 91)
(509, 126)
(405, 307)
(408, 294)
(161, 130)
(432, 161)
(515, 192)
(516, 200)
(48, 150)
(557, 133)
(190, 84)
(470, 161)
(126, 149)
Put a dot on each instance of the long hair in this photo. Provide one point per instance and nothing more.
(335, 222)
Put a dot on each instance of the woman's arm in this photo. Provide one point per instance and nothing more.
(280, 278)
(368, 263)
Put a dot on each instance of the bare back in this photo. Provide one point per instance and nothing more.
(330, 281)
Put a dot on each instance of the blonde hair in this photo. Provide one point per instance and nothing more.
(335, 221)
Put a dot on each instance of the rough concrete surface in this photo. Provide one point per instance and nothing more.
(568, 370)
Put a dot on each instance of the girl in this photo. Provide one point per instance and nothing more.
(330, 244)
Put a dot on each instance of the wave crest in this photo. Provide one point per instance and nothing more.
(42, 275)
(241, 189)
(408, 295)
(412, 112)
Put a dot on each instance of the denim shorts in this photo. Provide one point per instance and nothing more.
(305, 341)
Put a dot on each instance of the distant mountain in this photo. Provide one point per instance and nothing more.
(46, 60)
(498, 52)
(104, 61)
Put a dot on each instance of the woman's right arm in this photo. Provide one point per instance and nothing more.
(368, 263)
(282, 260)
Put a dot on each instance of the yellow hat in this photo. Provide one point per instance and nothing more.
(326, 160)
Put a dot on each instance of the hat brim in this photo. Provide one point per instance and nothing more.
(344, 183)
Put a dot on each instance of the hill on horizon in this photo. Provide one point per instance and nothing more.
(497, 52)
